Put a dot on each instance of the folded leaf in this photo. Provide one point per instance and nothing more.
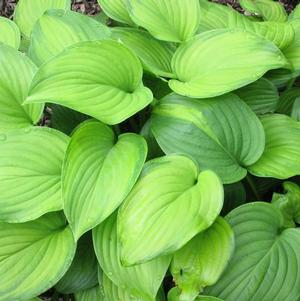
(16, 73)
(174, 21)
(271, 10)
(34, 256)
(140, 281)
(261, 96)
(169, 205)
(280, 158)
(57, 29)
(221, 133)
(116, 10)
(266, 262)
(91, 294)
(155, 55)
(205, 71)
(202, 260)
(83, 273)
(102, 79)
(26, 14)
(10, 33)
(98, 173)
(30, 183)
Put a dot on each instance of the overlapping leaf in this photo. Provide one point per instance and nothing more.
(91, 294)
(30, 173)
(141, 281)
(98, 173)
(169, 205)
(174, 295)
(205, 71)
(16, 73)
(202, 260)
(280, 158)
(265, 265)
(221, 134)
(174, 21)
(155, 55)
(287, 100)
(102, 79)
(10, 33)
(57, 29)
(33, 256)
(295, 13)
(26, 16)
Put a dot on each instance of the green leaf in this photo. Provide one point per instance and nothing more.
(202, 260)
(222, 133)
(141, 281)
(205, 71)
(279, 77)
(250, 6)
(296, 109)
(155, 55)
(174, 21)
(116, 10)
(261, 96)
(16, 73)
(174, 295)
(82, 273)
(34, 256)
(91, 294)
(10, 33)
(30, 173)
(271, 10)
(289, 203)
(104, 81)
(295, 13)
(98, 173)
(57, 29)
(234, 195)
(26, 14)
(169, 205)
(281, 158)
(287, 100)
(266, 262)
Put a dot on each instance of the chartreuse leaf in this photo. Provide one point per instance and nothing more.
(16, 73)
(57, 29)
(203, 71)
(174, 295)
(30, 183)
(174, 21)
(202, 260)
(34, 256)
(95, 162)
(102, 79)
(287, 100)
(271, 10)
(261, 96)
(289, 203)
(155, 55)
(90, 294)
(83, 273)
(250, 6)
(169, 205)
(266, 262)
(27, 12)
(9, 33)
(280, 158)
(116, 10)
(141, 281)
(222, 133)
(295, 13)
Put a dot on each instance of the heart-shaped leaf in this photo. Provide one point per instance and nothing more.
(155, 55)
(266, 262)
(26, 14)
(202, 260)
(93, 84)
(98, 173)
(261, 96)
(140, 281)
(30, 184)
(10, 33)
(205, 71)
(16, 73)
(174, 21)
(280, 158)
(221, 133)
(83, 273)
(57, 29)
(169, 205)
(34, 256)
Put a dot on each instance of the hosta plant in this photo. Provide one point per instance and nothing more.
(150, 152)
